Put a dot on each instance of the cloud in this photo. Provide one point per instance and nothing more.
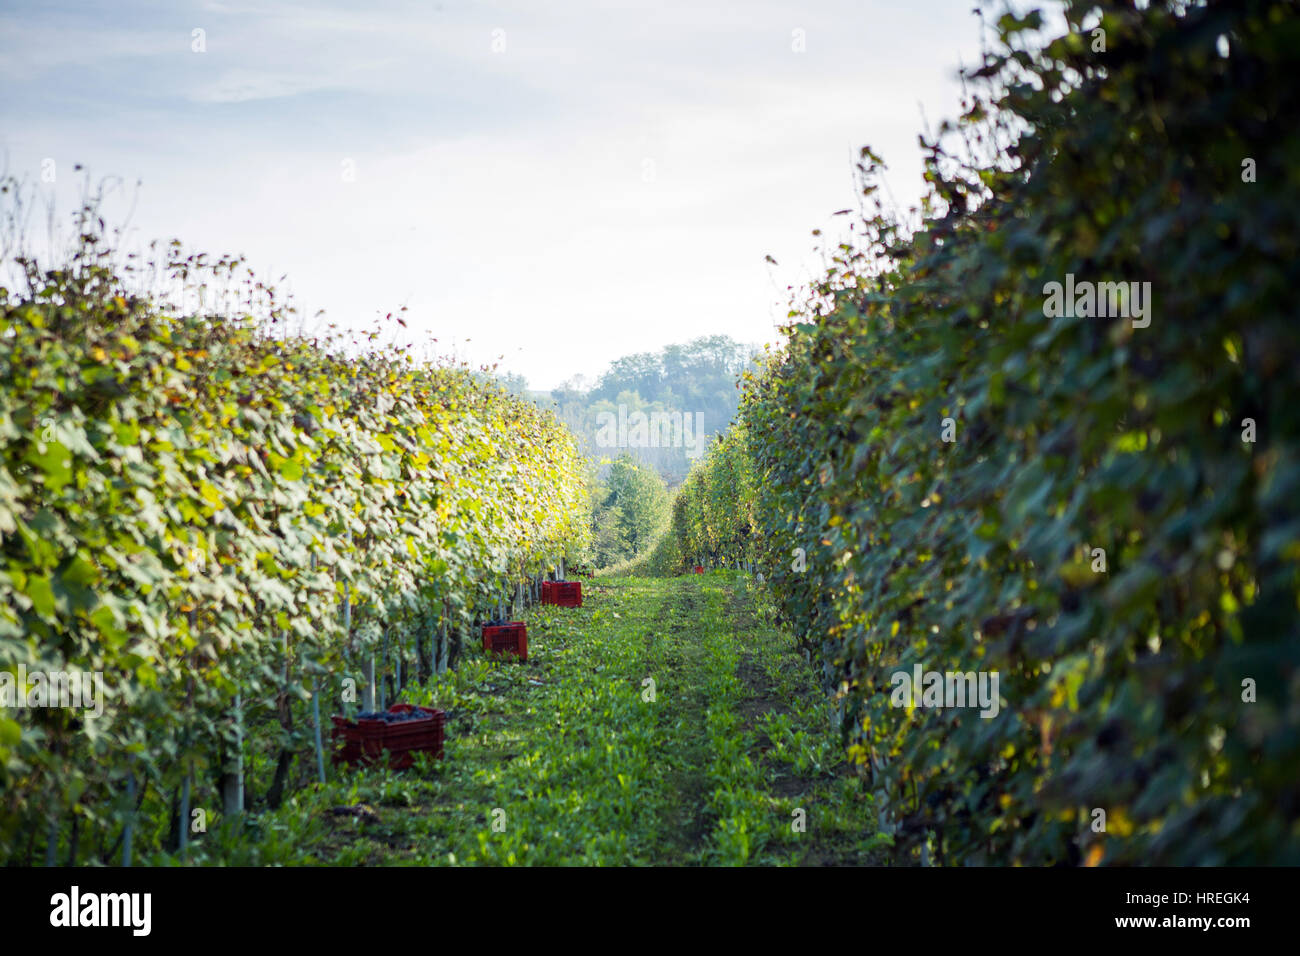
(240, 86)
(504, 196)
(30, 50)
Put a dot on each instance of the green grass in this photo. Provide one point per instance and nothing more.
(565, 760)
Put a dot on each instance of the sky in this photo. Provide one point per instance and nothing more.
(548, 185)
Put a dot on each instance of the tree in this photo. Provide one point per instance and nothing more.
(632, 511)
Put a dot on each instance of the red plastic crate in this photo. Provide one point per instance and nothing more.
(364, 741)
(511, 638)
(562, 593)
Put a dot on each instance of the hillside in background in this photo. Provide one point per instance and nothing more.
(661, 408)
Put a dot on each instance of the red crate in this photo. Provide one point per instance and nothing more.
(511, 638)
(364, 741)
(568, 593)
(699, 569)
(562, 593)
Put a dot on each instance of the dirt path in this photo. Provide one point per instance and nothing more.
(662, 723)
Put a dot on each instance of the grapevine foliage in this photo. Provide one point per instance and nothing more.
(187, 505)
(1156, 682)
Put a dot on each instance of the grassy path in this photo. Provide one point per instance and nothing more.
(662, 723)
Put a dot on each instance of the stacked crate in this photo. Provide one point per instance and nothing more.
(510, 637)
(562, 593)
(402, 731)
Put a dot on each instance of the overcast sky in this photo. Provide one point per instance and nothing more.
(559, 183)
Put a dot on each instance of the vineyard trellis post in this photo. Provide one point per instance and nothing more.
(232, 789)
(129, 824)
(315, 723)
(347, 627)
(183, 828)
